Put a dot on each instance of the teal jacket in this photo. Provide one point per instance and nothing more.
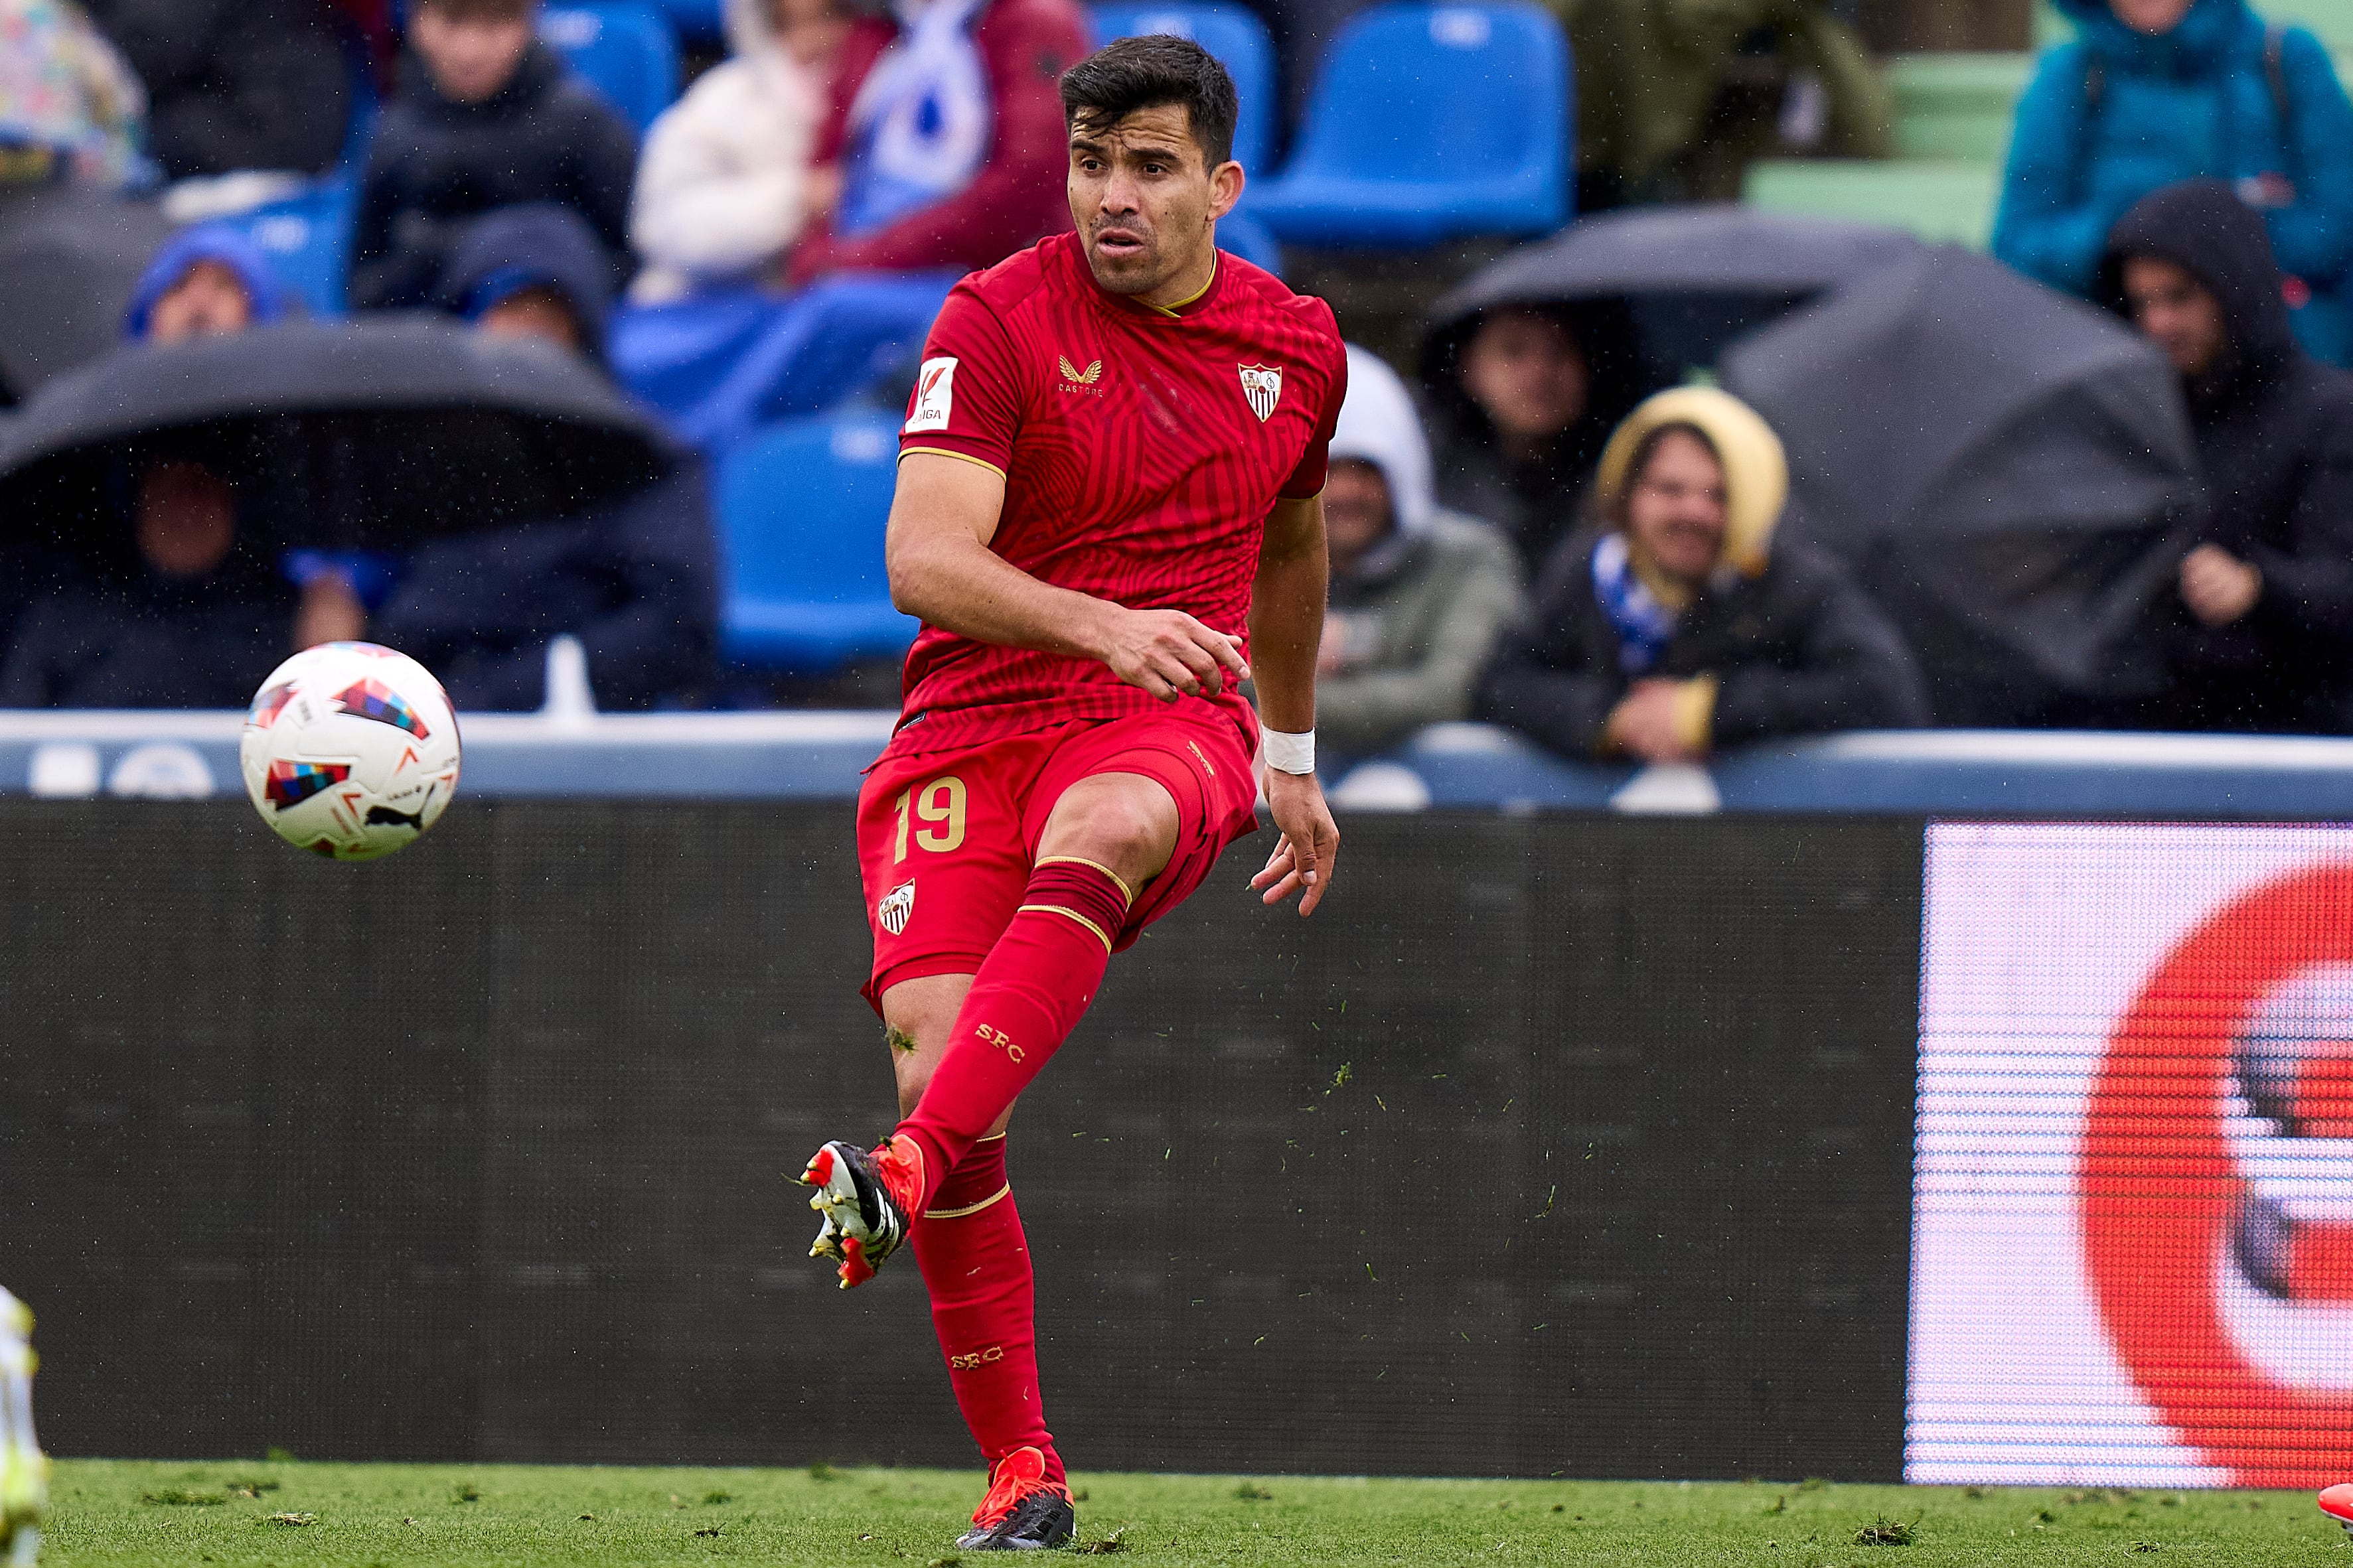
(2115, 115)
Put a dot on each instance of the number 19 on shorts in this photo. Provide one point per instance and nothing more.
(939, 806)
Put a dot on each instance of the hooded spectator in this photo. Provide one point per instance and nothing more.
(1419, 593)
(236, 84)
(208, 280)
(190, 613)
(725, 189)
(634, 581)
(1522, 400)
(945, 139)
(2155, 91)
(2265, 639)
(1675, 98)
(70, 106)
(1679, 624)
(486, 117)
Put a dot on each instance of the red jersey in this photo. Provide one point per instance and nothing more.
(1141, 451)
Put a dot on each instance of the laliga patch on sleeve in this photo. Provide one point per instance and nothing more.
(935, 396)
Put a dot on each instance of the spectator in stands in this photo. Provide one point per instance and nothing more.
(486, 117)
(635, 582)
(1678, 624)
(71, 108)
(724, 187)
(208, 280)
(1419, 593)
(1522, 401)
(187, 613)
(945, 138)
(1675, 98)
(2267, 641)
(2155, 91)
(236, 84)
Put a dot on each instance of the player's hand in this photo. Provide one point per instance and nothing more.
(1310, 845)
(1170, 655)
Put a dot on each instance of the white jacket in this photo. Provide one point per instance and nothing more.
(720, 185)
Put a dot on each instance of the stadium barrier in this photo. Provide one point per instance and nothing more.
(577, 752)
(1854, 1143)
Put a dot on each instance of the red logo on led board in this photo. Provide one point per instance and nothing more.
(2216, 1185)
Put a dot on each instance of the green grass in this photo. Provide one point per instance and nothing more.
(122, 1513)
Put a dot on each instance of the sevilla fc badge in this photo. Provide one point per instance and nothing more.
(1263, 385)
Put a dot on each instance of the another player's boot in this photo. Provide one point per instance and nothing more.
(24, 1471)
(1023, 1511)
(2336, 1503)
(868, 1199)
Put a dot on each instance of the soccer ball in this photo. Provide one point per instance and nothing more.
(349, 751)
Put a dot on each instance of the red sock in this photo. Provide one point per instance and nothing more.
(975, 1263)
(1029, 994)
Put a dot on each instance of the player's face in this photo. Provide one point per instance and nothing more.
(1677, 509)
(1144, 201)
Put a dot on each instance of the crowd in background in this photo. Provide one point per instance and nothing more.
(1517, 535)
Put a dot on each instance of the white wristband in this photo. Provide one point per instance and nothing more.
(1289, 754)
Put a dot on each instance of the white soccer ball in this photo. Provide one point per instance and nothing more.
(349, 751)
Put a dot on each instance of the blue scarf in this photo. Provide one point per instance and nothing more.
(919, 126)
(1644, 627)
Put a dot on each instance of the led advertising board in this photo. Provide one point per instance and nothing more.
(2132, 1255)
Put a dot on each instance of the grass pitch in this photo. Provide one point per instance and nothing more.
(289, 1515)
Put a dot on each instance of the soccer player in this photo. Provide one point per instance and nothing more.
(1108, 514)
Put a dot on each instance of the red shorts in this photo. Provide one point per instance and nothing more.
(945, 839)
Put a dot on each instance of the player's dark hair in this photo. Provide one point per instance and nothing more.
(1639, 463)
(1149, 71)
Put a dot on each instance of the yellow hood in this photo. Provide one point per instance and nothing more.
(1755, 469)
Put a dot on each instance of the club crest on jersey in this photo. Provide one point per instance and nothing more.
(934, 395)
(897, 904)
(1263, 385)
(1077, 377)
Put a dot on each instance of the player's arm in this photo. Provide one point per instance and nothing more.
(1286, 626)
(943, 573)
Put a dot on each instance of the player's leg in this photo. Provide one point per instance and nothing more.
(1105, 836)
(24, 1473)
(974, 1258)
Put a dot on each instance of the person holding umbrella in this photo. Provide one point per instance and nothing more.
(2264, 636)
(152, 502)
(1678, 624)
(183, 608)
(1520, 406)
(635, 579)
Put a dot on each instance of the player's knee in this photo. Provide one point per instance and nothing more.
(1131, 831)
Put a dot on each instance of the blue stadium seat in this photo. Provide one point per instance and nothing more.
(307, 238)
(700, 19)
(623, 48)
(802, 508)
(675, 355)
(1428, 123)
(1242, 233)
(826, 343)
(1240, 42)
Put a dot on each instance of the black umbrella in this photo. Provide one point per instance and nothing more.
(375, 434)
(70, 260)
(2009, 469)
(1686, 280)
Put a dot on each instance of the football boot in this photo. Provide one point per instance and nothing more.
(868, 1198)
(1023, 1511)
(2336, 1503)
